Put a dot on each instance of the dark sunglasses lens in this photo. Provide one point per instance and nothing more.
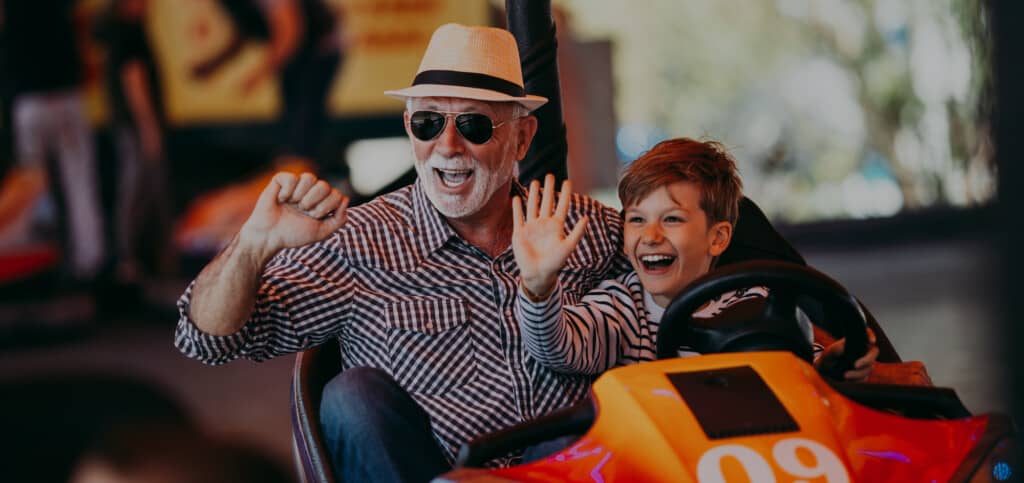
(476, 128)
(426, 125)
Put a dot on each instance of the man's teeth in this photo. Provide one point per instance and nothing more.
(452, 178)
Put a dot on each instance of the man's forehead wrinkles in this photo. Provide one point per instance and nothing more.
(456, 104)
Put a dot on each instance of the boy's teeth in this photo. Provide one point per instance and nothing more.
(657, 261)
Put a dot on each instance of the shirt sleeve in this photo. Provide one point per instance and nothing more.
(583, 338)
(297, 307)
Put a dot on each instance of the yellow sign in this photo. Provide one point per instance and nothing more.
(382, 42)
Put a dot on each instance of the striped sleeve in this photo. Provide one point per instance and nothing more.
(289, 316)
(585, 338)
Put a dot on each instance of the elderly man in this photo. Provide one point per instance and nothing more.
(418, 285)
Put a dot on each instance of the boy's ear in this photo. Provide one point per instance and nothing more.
(720, 235)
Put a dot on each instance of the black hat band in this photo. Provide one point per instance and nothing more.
(469, 79)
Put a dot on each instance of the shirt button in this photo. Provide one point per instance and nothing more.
(429, 325)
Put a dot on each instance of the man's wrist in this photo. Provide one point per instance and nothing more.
(257, 249)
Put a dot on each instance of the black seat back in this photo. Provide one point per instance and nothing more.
(754, 238)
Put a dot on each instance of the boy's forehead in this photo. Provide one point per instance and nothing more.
(683, 193)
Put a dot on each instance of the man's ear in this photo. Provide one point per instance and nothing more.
(526, 128)
(405, 123)
(720, 235)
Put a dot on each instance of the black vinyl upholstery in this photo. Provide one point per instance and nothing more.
(754, 238)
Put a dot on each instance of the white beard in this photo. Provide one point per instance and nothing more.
(456, 206)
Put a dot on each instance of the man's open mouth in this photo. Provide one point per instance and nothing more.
(453, 178)
(655, 262)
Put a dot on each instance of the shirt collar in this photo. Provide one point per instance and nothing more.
(434, 228)
(654, 311)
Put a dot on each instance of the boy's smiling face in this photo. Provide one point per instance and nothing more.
(668, 239)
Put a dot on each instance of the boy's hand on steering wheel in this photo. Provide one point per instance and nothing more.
(862, 367)
(539, 242)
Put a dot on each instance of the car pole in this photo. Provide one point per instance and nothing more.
(531, 23)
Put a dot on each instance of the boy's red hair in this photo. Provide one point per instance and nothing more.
(706, 163)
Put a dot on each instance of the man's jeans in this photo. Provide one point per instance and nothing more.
(375, 431)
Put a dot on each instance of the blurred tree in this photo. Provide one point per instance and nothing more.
(834, 108)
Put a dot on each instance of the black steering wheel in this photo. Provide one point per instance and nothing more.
(776, 327)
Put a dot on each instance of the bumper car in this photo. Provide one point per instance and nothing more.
(755, 409)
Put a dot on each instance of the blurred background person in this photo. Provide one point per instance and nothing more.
(49, 123)
(304, 50)
(137, 127)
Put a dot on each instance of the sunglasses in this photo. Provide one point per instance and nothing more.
(474, 127)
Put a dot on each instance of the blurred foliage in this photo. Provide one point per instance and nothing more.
(833, 108)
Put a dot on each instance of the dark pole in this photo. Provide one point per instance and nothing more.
(1008, 38)
(531, 23)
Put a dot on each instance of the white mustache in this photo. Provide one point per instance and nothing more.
(454, 163)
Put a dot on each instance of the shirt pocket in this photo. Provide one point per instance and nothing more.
(430, 346)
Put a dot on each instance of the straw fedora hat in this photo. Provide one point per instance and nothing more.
(479, 63)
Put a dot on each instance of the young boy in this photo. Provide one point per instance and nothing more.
(680, 202)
